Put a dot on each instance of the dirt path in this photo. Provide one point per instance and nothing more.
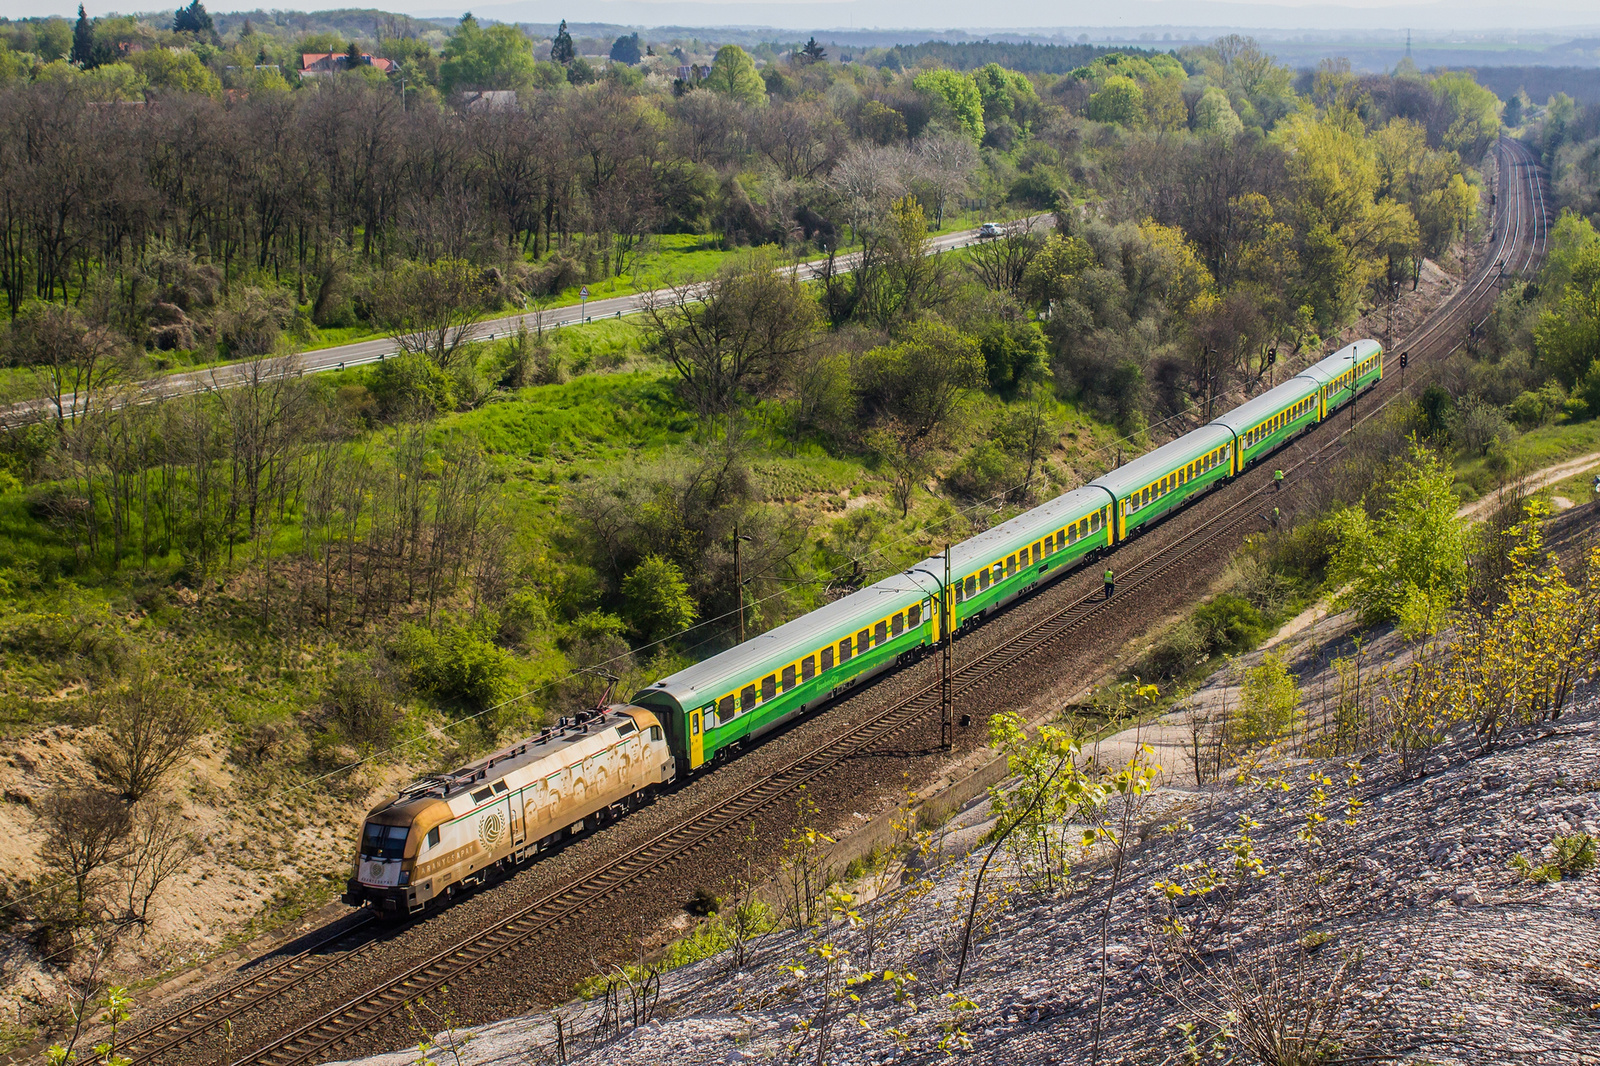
(1169, 736)
(1478, 510)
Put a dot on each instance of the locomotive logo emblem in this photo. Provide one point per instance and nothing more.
(491, 829)
(375, 870)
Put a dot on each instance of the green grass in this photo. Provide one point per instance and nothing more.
(1535, 450)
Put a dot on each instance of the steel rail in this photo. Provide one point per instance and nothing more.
(155, 1040)
(556, 908)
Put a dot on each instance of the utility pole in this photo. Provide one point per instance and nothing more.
(947, 724)
(947, 636)
(738, 577)
(1352, 388)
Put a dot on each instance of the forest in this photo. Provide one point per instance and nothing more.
(388, 563)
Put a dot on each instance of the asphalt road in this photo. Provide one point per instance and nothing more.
(379, 348)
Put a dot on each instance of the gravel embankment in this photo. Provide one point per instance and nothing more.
(1461, 960)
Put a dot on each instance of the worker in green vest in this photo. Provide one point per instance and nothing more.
(1111, 586)
(1277, 480)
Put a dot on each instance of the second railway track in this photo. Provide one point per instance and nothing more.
(1519, 235)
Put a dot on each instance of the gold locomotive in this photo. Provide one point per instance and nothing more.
(448, 831)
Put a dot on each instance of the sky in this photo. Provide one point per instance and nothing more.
(926, 15)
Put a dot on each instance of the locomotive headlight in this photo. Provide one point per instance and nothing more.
(405, 877)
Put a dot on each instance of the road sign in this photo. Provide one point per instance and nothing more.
(584, 292)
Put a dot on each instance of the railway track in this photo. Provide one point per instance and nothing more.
(220, 1008)
(1520, 230)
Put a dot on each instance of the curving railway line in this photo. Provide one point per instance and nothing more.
(1519, 231)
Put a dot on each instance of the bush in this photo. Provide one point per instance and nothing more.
(1228, 625)
(656, 599)
(456, 664)
(1572, 856)
(1477, 426)
(406, 384)
(359, 701)
(1267, 705)
(1538, 408)
(985, 472)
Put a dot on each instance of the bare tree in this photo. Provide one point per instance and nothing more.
(86, 831)
(431, 309)
(73, 359)
(735, 335)
(158, 847)
(149, 727)
(944, 164)
(1002, 263)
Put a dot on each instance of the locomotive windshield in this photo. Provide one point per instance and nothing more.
(384, 841)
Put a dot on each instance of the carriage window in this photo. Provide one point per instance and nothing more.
(880, 632)
(725, 707)
(1094, 521)
(788, 678)
(827, 657)
(863, 641)
(897, 625)
(914, 616)
(808, 668)
(1011, 565)
(747, 697)
(769, 686)
(482, 794)
(433, 837)
(694, 724)
(626, 727)
(983, 579)
(655, 733)
(972, 585)
(1037, 554)
(500, 786)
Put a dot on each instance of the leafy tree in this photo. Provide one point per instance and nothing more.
(194, 19)
(957, 95)
(626, 50)
(496, 58)
(657, 599)
(734, 337)
(921, 381)
(83, 52)
(733, 74)
(1474, 110)
(1267, 704)
(53, 39)
(1014, 354)
(175, 71)
(431, 309)
(561, 49)
(1119, 101)
(1051, 274)
(1408, 563)
(811, 53)
(1005, 94)
(1214, 115)
(1568, 336)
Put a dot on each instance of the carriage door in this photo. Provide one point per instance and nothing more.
(697, 741)
(516, 820)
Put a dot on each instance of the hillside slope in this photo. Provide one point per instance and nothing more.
(1407, 936)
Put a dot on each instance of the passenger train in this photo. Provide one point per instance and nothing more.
(457, 829)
